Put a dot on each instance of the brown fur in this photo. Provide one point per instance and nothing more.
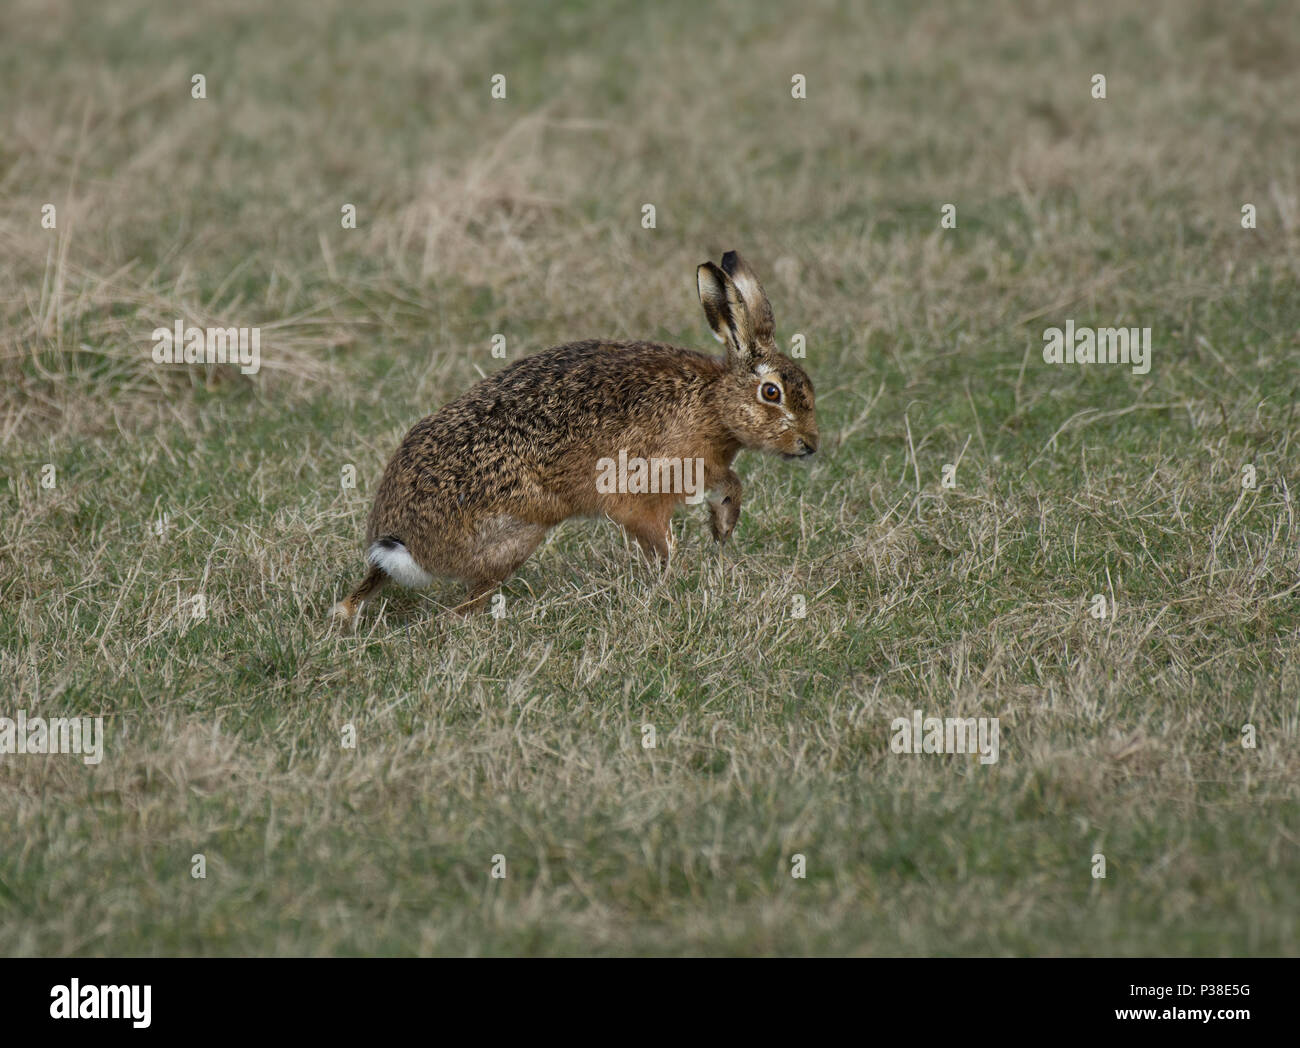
(473, 489)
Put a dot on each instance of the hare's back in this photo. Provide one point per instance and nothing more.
(513, 427)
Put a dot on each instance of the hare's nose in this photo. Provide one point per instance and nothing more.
(807, 445)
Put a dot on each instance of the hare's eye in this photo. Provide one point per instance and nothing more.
(770, 392)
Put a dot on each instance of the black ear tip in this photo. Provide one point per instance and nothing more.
(729, 260)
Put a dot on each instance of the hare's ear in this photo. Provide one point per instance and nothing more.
(727, 314)
(751, 292)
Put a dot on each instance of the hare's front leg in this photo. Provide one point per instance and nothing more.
(646, 518)
(724, 505)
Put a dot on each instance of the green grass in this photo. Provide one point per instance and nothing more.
(522, 736)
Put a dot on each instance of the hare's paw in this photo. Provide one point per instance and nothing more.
(724, 505)
(343, 615)
(723, 517)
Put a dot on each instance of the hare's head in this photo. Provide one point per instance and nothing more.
(767, 399)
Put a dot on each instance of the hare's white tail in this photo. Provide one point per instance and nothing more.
(395, 560)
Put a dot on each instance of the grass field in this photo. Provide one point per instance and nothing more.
(521, 736)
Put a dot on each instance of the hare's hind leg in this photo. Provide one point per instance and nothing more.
(477, 594)
(346, 610)
(501, 545)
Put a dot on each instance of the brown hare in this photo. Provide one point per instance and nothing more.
(473, 489)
